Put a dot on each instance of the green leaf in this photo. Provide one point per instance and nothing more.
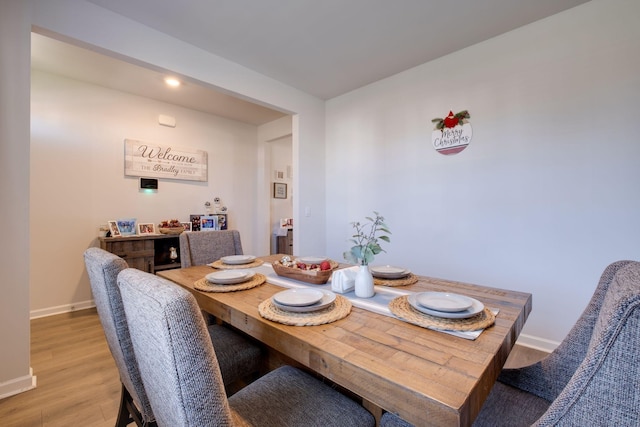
(385, 238)
(348, 256)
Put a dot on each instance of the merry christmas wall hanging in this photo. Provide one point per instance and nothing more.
(452, 134)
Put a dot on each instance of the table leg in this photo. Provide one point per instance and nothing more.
(375, 410)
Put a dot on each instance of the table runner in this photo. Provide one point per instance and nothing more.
(379, 303)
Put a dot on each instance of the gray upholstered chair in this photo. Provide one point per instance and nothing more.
(204, 247)
(177, 363)
(103, 268)
(238, 357)
(591, 379)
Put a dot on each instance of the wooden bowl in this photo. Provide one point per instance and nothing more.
(316, 277)
(171, 230)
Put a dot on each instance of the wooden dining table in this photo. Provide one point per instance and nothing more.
(425, 376)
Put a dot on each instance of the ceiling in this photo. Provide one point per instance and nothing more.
(64, 59)
(324, 48)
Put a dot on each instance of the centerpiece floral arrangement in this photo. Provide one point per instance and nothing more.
(366, 240)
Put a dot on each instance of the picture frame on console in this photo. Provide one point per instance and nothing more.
(127, 226)
(113, 228)
(195, 221)
(146, 228)
(209, 222)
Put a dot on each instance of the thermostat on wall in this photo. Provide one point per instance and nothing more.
(148, 184)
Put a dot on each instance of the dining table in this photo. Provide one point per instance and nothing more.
(427, 376)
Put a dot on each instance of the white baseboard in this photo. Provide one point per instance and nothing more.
(537, 343)
(18, 385)
(34, 314)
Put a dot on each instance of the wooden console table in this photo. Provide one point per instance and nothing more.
(147, 253)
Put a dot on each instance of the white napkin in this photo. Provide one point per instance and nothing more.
(343, 280)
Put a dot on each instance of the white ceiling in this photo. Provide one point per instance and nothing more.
(64, 59)
(324, 47)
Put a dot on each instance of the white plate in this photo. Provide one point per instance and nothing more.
(229, 277)
(475, 308)
(237, 259)
(298, 297)
(443, 301)
(327, 299)
(311, 259)
(388, 271)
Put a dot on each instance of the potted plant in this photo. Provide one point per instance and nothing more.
(366, 247)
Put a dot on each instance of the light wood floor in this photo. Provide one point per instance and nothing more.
(77, 380)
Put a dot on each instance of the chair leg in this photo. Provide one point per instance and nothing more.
(128, 412)
(124, 419)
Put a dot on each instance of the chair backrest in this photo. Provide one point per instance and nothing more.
(103, 268)
(204, 247)
(548, 377)
(604, 388)
(175, 354)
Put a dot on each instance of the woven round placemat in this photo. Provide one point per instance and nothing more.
(222, 266)
(206, 286)
(402, 309)
(340, 309)
(408, 280)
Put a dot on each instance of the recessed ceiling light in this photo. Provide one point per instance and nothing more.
(172, 82)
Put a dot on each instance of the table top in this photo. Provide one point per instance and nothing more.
(426, 377)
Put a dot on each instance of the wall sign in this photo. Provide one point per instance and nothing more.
(452, 134)
(164, 161)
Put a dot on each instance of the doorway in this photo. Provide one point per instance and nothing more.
(281, 205)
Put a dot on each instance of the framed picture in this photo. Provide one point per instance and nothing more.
(222, 221)
(113, 229)
(186, 225)
(146, 228)
(195, 221)
(209, 222)
(279, 190)
(127, 227)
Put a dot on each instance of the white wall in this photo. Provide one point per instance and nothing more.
(78, 182)
(97, 28)
(546, 194)
(15, 375)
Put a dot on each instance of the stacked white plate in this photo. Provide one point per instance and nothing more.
(229, 277)
(389, 272)
(303, 300)
(445, 305)
(237, 259)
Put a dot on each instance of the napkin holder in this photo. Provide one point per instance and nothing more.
(344, 280)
